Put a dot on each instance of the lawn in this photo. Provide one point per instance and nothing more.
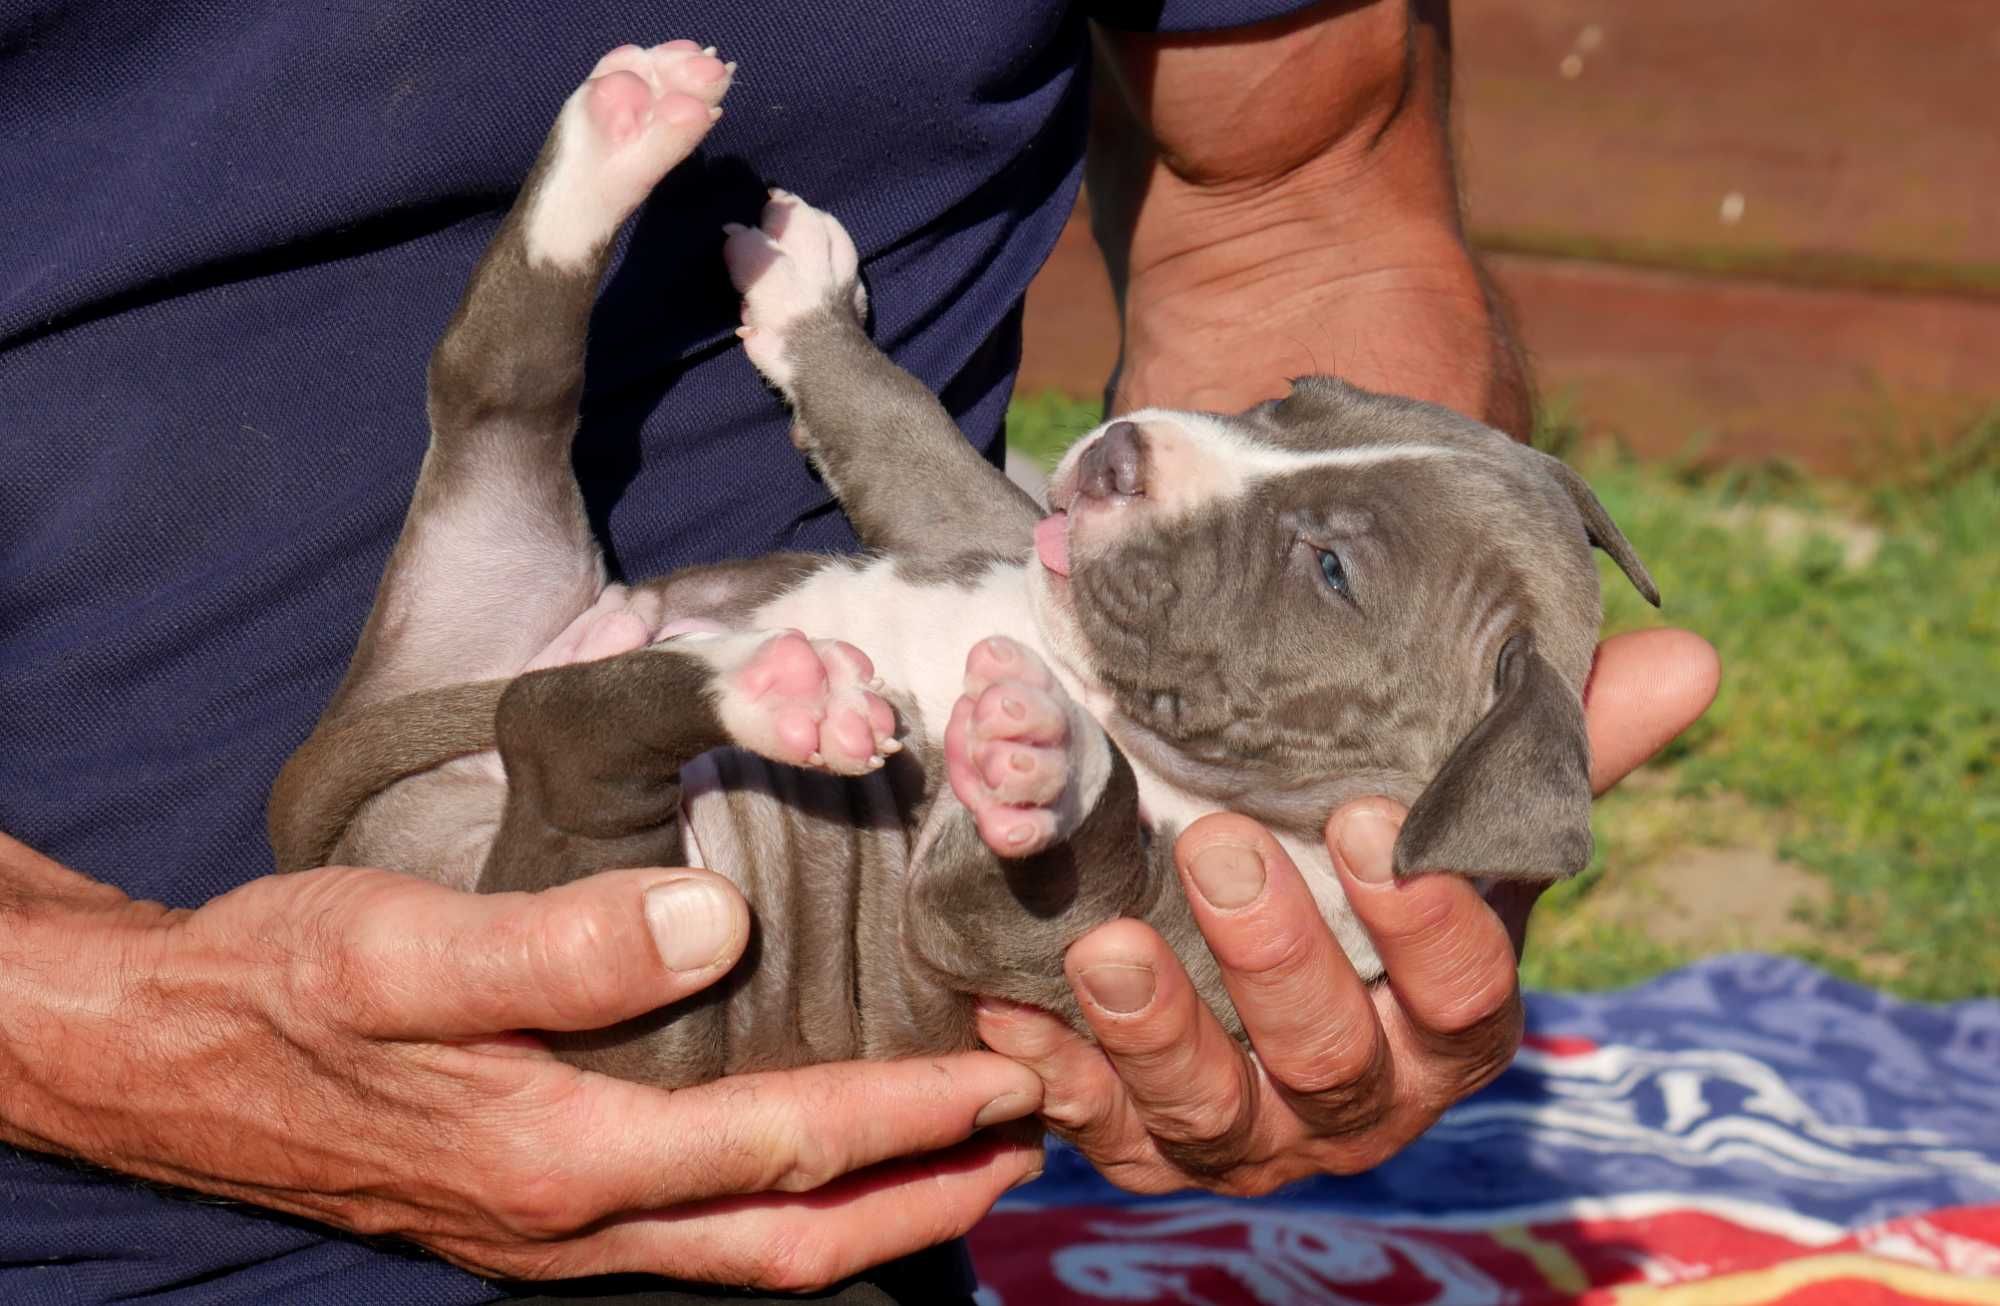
(1840, 802)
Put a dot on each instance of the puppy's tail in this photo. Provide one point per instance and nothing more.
(352, 758)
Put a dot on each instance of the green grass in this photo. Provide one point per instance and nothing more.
(1856, 737)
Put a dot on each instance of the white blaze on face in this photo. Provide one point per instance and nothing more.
(1195, 459)
(1191, 460)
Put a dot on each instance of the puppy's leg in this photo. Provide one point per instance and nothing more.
(496, 558)
(593, 750)
(1043, 844)
(886, 446)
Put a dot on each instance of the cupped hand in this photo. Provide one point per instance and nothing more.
(1344, 1074)
(338, 1044)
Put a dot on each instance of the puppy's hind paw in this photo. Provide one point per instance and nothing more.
(1026, 762)
(806, 702)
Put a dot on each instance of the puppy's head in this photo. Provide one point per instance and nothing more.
(1337, 594)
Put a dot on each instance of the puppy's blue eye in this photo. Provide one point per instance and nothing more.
(1335, 574)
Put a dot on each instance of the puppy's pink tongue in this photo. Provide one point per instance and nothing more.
(1052, 542)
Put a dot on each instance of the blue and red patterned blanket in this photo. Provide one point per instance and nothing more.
(1746, 1130)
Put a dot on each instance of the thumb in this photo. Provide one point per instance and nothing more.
(580, 956)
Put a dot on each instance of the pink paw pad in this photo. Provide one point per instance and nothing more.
(1008, 748)
(618, 104)
(638, 115)
(813, 703)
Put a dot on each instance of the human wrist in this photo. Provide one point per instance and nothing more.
(74, 963)
(1233, 320)
(1352, 263)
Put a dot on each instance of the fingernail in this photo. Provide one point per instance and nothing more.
(1119, 988)
(1365, 844)
(1228, 875)
(1008, 1106)
(1028, 1178)
(692, 923)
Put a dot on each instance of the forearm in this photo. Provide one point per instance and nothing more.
(1296, 238)
(61, 995)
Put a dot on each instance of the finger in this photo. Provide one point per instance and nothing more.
(1081, 1095)
(788, 1131)
(1448, 957)
(1191, 1086)
(1307, 1013)
(582, 956)
(795, 1244)
(1645, 688)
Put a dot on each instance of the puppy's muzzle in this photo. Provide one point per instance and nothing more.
(1114, 466)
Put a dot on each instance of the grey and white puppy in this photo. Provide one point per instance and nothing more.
(995, 721)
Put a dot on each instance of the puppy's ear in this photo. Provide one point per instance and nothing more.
(1604, 532)
(1513, 799)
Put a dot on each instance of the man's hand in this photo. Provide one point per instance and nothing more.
(1279, 200)
(339, 1044)
(1344, 1075)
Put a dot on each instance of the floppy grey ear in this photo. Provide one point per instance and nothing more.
(1604, 532)
(1513, 799)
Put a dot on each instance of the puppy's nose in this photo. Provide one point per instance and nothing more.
(1115, 465)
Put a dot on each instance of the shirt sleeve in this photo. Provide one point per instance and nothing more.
(1189, 15)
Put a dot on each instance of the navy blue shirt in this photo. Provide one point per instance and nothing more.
(230, 235)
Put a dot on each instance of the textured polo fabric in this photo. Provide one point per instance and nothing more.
(229, 236)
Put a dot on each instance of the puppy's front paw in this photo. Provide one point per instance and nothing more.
(798, 261)
(638, 114)
(805, 702)
(1022, 757)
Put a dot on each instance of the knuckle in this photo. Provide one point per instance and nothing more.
(575, 958)
(1206, 1137)
(1485, 1019)
(1207, 1161)
(792, 1157)
(1346, 1111)
(1346, 1064)
(1426, 909)
(375, 1220)
(330, 976)
(1210, 1120)
(798, 1258)
(1273, 952)
(812, 1165)
(536, 1209)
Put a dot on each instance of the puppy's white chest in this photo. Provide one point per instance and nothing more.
(915, 629)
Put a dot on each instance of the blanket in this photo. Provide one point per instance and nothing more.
(1745, 1130)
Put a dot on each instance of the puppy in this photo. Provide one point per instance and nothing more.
(932, 766)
